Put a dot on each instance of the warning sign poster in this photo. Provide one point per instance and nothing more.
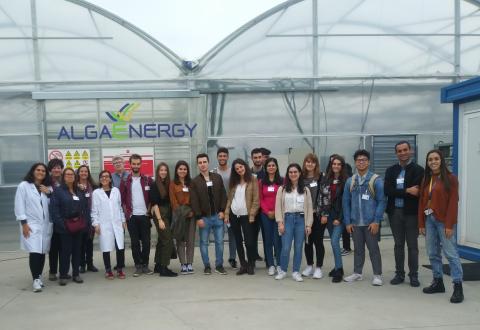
(147, 154)
(72, 158)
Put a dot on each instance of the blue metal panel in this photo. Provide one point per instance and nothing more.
(462, 92)
(469, 253)
(456, 118)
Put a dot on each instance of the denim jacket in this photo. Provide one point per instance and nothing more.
(356, 209)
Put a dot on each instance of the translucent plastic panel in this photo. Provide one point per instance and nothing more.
(470, 14)
(470, 55)
(19, 114)
(293, 20)
(16, 58)
(15, 19)
(343, 56)
(385, 16)
(17, 154)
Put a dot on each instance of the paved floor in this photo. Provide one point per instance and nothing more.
(230, 302)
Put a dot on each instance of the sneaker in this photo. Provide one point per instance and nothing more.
(308, 271)
(120, 274)
(207, 270)
(37, 285)
(62, 282)
(146, 270)
(82, 270)
(280, 275)
(346, 252)
(242, 270)
(318, 273)
(40, 278)
(190, 269)
(109, 275)
(220, 270)
(377, 280)
(52, 277)
(397, 280)
(297, 277)
(279, 269)
(414, 281)
(354, 277)
(138, 271)
(233, 263)
(183, 270)
(77, 279)
(271, 270)
(92, 268)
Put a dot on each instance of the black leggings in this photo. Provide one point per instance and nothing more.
(244, 231)
(315, 238)
(36, 262)
(120, 259)
(54, 253)
(86, 250)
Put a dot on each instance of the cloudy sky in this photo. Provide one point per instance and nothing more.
(188, 27)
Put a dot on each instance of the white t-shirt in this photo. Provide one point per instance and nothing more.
(239, 205)
(138, 202)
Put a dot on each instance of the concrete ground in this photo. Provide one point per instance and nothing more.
(230, 302)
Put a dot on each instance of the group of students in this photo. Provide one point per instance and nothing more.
(291, 210)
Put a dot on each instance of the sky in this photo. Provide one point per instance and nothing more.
(188, 27)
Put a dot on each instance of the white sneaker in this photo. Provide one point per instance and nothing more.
(37, 286)
(271, 270)
(354, 277)
(318, 273)
(41, 281)
(308, 271)
(377, 280)
(278, 269)
(281, 275)
(297, 277)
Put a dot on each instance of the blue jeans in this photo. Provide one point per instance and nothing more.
(436, 241)
(272, 240)
(335, 232)
(216, 225)
(294, 231)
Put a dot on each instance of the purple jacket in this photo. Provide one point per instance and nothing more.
(126, 193)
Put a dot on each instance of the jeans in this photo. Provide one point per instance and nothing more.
(212, 223)
(244, 232)
(436, 241)
(405, 229)
(335, 231)
(294, 231)
(139, 230)
(361, 237)
(272, 240)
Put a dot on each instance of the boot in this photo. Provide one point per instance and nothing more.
(242, 270)
(165, 272)
(436, 286)
(156, 269)
(91, 268)
(457, 296)
(414, 282)
(337, 275)
(250, 269)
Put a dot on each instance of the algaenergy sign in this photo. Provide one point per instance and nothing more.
(121, 128)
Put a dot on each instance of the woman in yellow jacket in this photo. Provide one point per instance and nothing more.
(242, 206)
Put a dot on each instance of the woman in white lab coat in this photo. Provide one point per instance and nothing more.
(31, 210)
(109, 222)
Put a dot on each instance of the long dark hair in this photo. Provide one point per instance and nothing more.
(444, 171)
(30, 178)
(162, 184)
(277, 178)
(100, 175)
(343, 172)
(89, 178)
(235, 178)
(75, 181)
(300, 185)
(176, 179)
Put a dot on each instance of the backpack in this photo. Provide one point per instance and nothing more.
(371, 183)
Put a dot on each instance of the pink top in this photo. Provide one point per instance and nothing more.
(267, 196)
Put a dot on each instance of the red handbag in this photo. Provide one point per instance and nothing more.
(76, 224)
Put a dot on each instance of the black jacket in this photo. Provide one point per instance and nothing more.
(63, 206)
(413, 177)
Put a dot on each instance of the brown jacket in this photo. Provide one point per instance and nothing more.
(199, 196)
(251, 199)
(178, 196)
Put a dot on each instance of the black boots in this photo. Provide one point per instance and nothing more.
(457, 296)
(398, 279)
(436, 287)
(414, 282)
(337, 275)
(164, 271)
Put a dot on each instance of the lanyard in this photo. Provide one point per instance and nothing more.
(430, 188)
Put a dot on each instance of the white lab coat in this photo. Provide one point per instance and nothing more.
(108, 214)
(33, 207)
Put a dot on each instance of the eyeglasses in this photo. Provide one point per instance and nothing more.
(361, 160)
(105, 177)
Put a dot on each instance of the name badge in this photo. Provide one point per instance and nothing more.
(209, 184)
(75, 198)
(336, 181)
(313, 184)
(428, 211)
(185, 189)
(87, 195)
(366, 197)
(400, 180)
(300, 199)
(147, 188)
(271, 188)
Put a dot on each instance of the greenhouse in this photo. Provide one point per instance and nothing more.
(313, 75)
